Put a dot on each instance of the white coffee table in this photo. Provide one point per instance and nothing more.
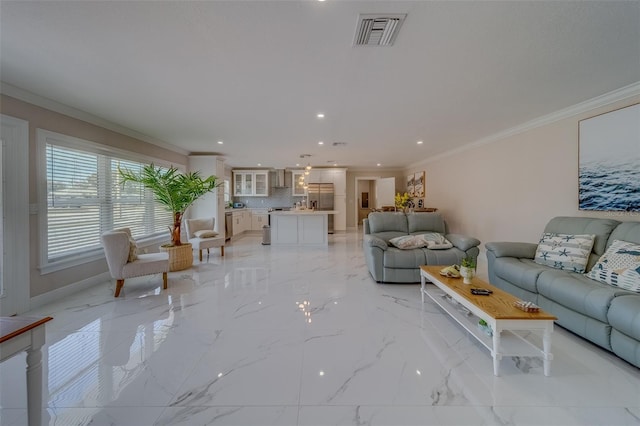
(506, 321)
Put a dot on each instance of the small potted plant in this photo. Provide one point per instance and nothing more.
(468, 269)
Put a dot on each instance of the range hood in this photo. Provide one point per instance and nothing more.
(279, 179)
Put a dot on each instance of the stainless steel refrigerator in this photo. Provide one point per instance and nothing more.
(320, 196)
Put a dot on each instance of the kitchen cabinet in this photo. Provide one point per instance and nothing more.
(258, 220)
(251, 183)
(297, 190)
(241, 221)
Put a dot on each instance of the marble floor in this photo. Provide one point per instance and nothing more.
(283, 336)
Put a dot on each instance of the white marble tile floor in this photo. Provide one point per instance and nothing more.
(298, 336)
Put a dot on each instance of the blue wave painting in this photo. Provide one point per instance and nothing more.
(610, 186)
(609, 161)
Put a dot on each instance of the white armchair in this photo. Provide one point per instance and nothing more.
(197, 235)
(117, 245)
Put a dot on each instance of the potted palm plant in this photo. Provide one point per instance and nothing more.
(176, 191)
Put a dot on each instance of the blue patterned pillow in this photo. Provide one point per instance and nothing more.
(564, 251)
(619, 266)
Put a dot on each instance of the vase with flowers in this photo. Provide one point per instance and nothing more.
(402, 201)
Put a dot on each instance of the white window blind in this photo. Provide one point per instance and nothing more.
(85, 198)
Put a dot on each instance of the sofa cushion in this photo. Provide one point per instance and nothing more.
(423, 222)
(564, 251)
(519, 272)
(601, 228)
(407, 242)
(577, 292)
(388, 222)
(619, 266)
(436, 241)
(624, 315)
(403, 259)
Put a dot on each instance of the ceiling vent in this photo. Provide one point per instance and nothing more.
(377, 30)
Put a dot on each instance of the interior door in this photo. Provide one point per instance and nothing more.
(385, 192)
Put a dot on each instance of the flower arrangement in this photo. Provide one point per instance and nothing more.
(402, 200)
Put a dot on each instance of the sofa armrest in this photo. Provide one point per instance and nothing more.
(462, 242)
(373, 241)
(509, 249)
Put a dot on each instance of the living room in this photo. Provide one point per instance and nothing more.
(495, 183)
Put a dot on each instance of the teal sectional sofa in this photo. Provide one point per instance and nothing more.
(601, 313)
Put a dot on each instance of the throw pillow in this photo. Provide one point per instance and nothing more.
(133, 248)
(407, 242)
(619, 266)
(205, 234)
(564, 251)
(436, 241)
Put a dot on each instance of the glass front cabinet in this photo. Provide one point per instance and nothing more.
(297, 187)
(250, 183)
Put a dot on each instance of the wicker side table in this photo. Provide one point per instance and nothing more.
(180, 257)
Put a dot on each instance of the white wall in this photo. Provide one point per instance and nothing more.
(508, 190)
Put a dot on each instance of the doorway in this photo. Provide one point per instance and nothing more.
(372, 193)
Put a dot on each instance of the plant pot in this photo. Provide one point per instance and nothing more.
(180, 257)
(467, 274)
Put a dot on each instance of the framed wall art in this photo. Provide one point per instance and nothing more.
(410, 186)
(609, 161)
(418, 184)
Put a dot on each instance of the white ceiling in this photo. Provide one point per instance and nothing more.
(254, 74)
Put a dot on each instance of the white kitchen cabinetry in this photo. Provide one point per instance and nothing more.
(211, 204)
(241, 221)
(251, 183)
(258, 220)
(297, 190)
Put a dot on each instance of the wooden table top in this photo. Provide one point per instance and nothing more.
(11, 327)
(498, 305)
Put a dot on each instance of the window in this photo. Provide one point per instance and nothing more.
(85, 197)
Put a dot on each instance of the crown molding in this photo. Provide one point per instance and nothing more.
(609, 98)
(32, 98)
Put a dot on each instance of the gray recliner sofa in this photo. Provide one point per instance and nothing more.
(389, 264)
(607, 316)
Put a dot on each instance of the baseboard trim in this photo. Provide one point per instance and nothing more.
(68, 290)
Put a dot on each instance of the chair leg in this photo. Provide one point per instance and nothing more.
(200, 254)
(119, 284)
(207, 252)
(222, 251)
(164, 280)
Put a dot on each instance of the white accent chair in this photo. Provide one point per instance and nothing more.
(117, 245)
(201, 243)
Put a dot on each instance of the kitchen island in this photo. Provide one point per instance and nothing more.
(300, 227)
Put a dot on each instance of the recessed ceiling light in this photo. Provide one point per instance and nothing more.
(420, 142)
(297, 164)
(220, 142)
(320, 115)
(259, 164)
(320, 143)
(378, 164)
